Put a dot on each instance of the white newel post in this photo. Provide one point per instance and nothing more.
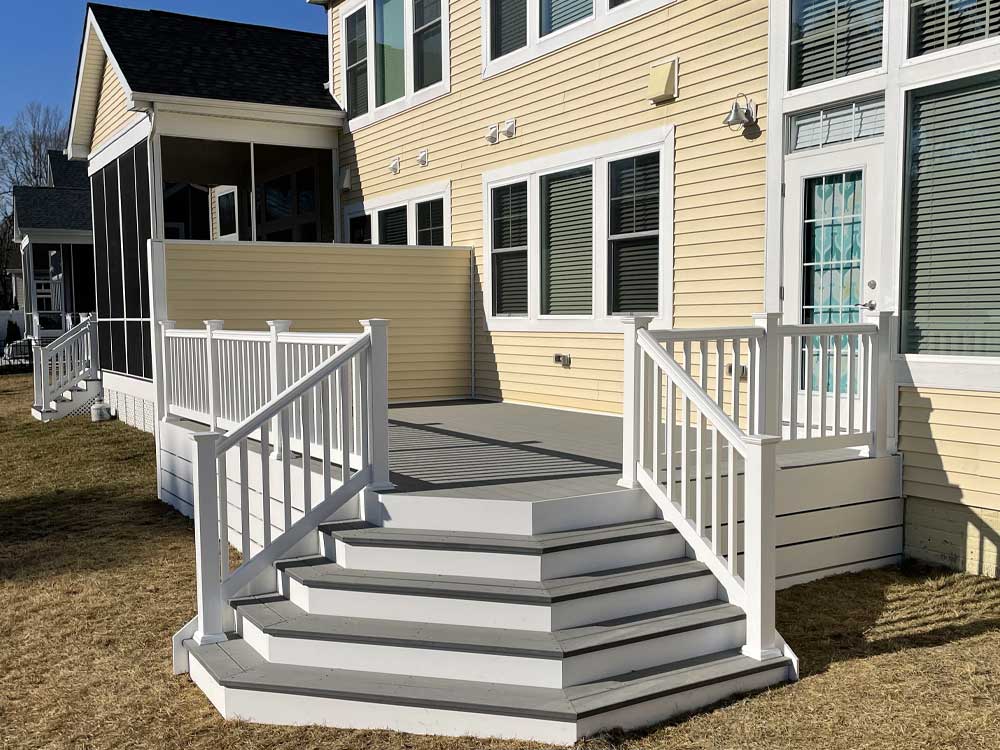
(378, 390)
(630, 399)
(759, 546)
(212, 365)
(768, 375)
(208, 542)
(40, 378)
(89, 347)
(277, 374)
(168, 367)
(883, 377)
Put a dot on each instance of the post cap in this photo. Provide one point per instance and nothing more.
(375, 322)
(279, 325)
(762, 439)
(206, 437)
(639, 321)
(168, 324)
(213, 325)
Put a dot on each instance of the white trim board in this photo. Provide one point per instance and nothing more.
(409, 198)
(143, 389)
(597, 155)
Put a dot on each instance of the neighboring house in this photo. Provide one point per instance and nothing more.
(724, 347)
(52, 225)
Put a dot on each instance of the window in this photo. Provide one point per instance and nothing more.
(227, 227)
(576, 239)
(567, 227)
(951, 251)
(834, 38)
(360, 230)
(516, 31)
(403, 64)
(510, 249)
(426, 43)
(356, 50)
(430, 222)
(392, 226)
(286, 208)
(634, 234)
(843, 124)
(939, 24)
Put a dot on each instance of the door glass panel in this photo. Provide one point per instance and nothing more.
(831, 261)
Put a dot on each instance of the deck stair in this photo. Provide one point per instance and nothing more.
(77, 398)
(548, 636)
(66, 376)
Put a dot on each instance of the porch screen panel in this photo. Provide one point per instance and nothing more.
(392, 226)
(559, 13)
(430, 222)
(101, 289)
(634, 238)
(356, 45)
(130, 236)
(113, 208)
(939, 24)
(951, 265)
(510, 249)
(567, 224)
(834, 38)
(143, 223)
(104, 344)
(508, 26)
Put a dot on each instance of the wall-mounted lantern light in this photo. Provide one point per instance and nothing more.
(741, 115)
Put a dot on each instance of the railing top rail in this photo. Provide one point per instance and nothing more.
(826, 329)
(304, 337)
(185, 333)
(73, 333)
(712, 412)
(296, 389)
(698, 334)
(226, 335)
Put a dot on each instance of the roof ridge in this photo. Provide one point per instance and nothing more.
(228, 22)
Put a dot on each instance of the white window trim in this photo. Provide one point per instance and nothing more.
(409, 198)
(411, 98)
(603, 18)
(220, 191)
(597, 155)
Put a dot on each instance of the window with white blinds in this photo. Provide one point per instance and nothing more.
(857, 121)
(509, 215)
(356, 53)
(951, 259)
(634, 234)
(508, 26)
(556, 14)
(939, 24)
(834, 38)
(567, 227)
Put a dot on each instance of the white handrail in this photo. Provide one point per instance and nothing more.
(67, 360)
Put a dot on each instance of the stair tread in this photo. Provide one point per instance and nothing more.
(235, 664)
(277, 616)
(360, 533)
(319, 572)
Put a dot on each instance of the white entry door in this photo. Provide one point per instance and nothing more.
(831, 274)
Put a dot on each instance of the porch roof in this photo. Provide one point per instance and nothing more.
(51, 208)
(171, 54)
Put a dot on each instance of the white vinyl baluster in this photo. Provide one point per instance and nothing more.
(836, 384)
(732, 515)
(824, 375)
(305, 416)
(671, 428)
(851, 384)
(244, 500)
(809, 387)
(700, 441)
(265, 480)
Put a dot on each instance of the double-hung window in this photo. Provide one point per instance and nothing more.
(416, 217)
(520, 30)
(395, 55)
(834, 38)
(940, 24)
(575, 245)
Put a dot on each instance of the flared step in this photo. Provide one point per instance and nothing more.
(518, 556)
(242, 684)
(319, 586)
(284, 633)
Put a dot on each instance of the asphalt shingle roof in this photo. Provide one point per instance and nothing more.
(66, 173)
(52, 208)
(180, 55)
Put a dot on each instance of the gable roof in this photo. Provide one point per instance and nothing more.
(180, 55)
(59, 208)
(66, 173)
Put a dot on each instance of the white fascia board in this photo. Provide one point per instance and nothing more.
(240, 110)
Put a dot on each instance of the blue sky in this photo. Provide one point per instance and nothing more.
(42, 40)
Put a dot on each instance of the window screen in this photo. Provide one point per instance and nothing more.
(510, 249)
(508, 26)
(426, 43)
(634, 234)
(834, 38)
(430, 222)
(567, 223)
(356, 46)
(951, 268)
(939, 24)
(392, 226)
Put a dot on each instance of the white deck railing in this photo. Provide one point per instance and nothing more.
(706, 413)
(334, 403)
(69, 359)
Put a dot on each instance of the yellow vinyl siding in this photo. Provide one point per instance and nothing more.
(112, 112)
(425, 294)
(588, 92)
(950, 441)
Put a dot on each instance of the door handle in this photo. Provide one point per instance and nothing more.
(869, 305)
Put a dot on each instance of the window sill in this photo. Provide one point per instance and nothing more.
(610, 324)
(399, 106)
(958, 372)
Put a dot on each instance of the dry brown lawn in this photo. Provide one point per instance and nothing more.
(95, 575)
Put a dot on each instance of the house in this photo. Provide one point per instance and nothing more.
(53, 228)
(519, 372)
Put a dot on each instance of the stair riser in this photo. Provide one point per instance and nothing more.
(515, 616)
(495, 668)
(263, 707)
(523, 567)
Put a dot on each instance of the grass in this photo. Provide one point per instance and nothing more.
(95, 575)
